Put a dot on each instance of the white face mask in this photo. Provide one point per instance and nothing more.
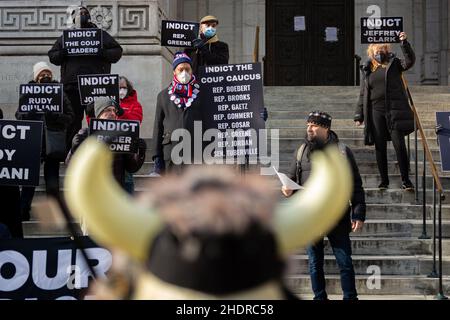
(184, 77)
(123, 93)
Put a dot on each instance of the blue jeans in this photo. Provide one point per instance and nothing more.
(340, 243)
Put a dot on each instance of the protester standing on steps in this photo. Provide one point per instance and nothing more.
(208, 50)
(53, 123)
(384, 108)
(320, 135)
(72, 66)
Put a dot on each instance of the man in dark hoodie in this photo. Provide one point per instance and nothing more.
(318, 136)
(72, 66)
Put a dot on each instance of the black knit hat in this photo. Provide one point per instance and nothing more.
(320, 118)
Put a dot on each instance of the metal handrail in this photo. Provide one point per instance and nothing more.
(437, 184)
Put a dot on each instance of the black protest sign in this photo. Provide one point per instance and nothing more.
(98, 85)
(41, 98)
(443, 125)
(49, 268)
(20, 152)
(122, 136)
(232, 101)
(178, 33)
(83, 42)
(381, 30)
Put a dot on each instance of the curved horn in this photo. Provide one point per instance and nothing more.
(312, 212)
(112, 217)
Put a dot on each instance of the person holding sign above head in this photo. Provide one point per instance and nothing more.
(384, 108)
(319, 135)
(106, 109)
(208, 50)
(97, 61)
(54, 124)
(177, 107)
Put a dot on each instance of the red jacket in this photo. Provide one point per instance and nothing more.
(131, 107)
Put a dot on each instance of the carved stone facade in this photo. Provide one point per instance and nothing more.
(29, 28)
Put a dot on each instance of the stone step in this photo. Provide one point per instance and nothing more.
(374, 195)
(401, 211)
(399, 228)
(337, 123)
(280, 113)
(354, 132)
(389, 285)
(388, 265)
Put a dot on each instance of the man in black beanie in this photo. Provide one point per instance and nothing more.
(318, 136)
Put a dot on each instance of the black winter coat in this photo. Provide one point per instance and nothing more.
(168, 118)
(71, 67)
(357, 211)
(399, 115)
(211, 54)
(56, 122)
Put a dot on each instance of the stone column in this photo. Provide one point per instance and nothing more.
(29, 28)
(432, 37)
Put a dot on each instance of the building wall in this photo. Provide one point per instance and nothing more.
(426, 23)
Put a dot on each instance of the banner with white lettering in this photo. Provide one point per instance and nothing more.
(381, 30)
(94, 86)
(232, 100)
(178, 33)
(83, 42)
(443, 134)
(121, 136)
(41, 98)
(20, 152)
(49, 268)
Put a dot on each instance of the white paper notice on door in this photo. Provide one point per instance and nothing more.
(299, 23)
(331, 34)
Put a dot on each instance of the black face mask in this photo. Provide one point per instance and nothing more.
(45, 80)
(84, 21)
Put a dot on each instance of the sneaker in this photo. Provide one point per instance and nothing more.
(407, 186)
(383, 186)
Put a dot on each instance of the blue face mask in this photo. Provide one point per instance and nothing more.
(210, 32)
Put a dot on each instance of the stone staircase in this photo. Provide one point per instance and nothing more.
(389, 242)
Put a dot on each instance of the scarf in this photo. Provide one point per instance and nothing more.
(183, 95)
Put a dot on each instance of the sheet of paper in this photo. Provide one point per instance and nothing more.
(299, 23)
(288, 183)
(331, 34)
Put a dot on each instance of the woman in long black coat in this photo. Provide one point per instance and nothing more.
(384, 108)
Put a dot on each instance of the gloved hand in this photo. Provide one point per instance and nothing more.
(50, 117)
(142, 147)
(199, 43)
(264, 114)
(159, 165)
(78, 139)
(101, 53)
(118, 109)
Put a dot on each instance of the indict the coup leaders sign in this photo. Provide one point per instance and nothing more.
(232, 102)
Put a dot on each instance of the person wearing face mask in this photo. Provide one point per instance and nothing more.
(106, 108)
(208, 50)
(384, 108)
(72, 66)
(177, 107)
(54, 122)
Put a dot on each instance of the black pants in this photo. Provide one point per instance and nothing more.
(10, 210)
(51, 176)
(381, 133)
(73, 95)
